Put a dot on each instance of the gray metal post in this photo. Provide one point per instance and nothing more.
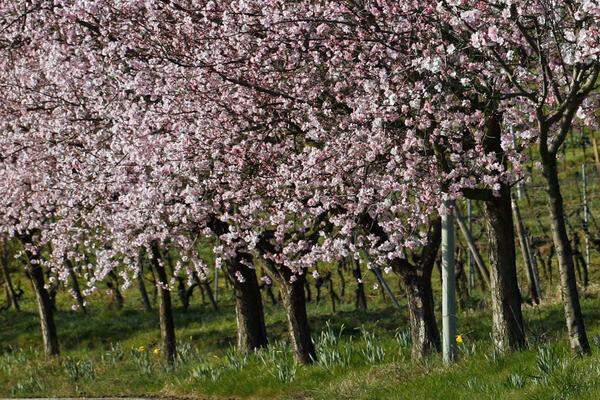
(448, 286)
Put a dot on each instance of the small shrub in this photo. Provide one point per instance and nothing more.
(142, 361)
(494, 356)
(285, 371)
(329, 348)
(206, 372)
(78, 370)
(547, 361)
(114, 355)
(187, 352)
(29, 385)
(236, 360)
(13, 358)
(403, 338)
(372, 352)
(274, 353)
(467, 350)
(516, 381)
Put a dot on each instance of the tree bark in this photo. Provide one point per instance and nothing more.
(75, 285)
(416, 277)
(165, 311)
(574, 318)
(116, 291)
(294, 303)
(508, 330)
(483, 270)
(206, 289)
(340, 271)
(359, 292)
(45, 310)
(423, 326)
(532, 278)
(332, 294)
(12, 294)
(251, 329)
(141, 285)
(462, 283)
(181, 288)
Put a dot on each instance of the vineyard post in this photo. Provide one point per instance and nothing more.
(448, 286)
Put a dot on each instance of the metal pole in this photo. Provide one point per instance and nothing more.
(585, 213)
(448, 286)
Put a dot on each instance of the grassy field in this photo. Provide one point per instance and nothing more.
(363, 355)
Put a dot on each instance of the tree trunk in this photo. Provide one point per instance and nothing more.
(294, 302)
(462, 283)
(251, 329)
(570, 297)
(45, 311)
(361, 297)
(308, 291)
(596, 154)
(532, 279)
(206, 289)
(332, 294)
(10, 289)
(142, 286)
(507, 328)
(75, 285)
(340, 271)
(423, 326)
(483, 270)
(165, 311)
(584, 277)
(116, 291)
(181, 288)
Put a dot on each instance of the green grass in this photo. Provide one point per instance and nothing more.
(101, 357)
